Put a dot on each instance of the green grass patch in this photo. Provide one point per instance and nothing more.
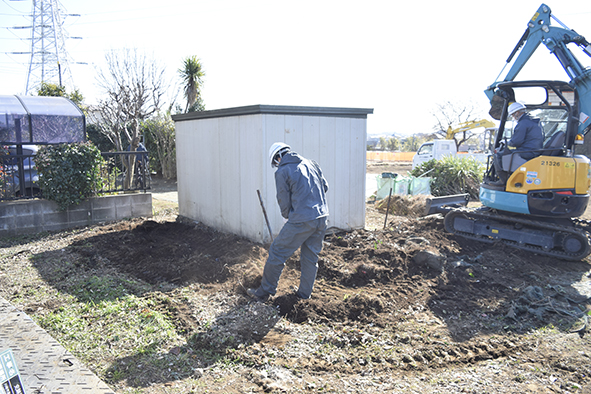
(103, 288)
(112, 329)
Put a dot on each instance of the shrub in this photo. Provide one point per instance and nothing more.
(453, 175)
(161, 138)
(68, 173)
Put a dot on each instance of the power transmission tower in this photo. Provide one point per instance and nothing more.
(49, 59)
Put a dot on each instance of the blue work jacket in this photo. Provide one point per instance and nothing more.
(527, 136)
(301, 189)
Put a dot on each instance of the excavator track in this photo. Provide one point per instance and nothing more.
(568, 242)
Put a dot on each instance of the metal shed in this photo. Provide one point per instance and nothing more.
(222, 162)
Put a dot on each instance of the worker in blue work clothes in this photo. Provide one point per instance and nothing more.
(527, 140)
(301, 195)
(141, 163)
(141, 158)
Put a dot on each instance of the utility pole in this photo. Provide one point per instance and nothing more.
(49, 59)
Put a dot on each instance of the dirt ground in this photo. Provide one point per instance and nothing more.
(408, 308)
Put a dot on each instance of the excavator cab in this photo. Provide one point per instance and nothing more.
(555, 183)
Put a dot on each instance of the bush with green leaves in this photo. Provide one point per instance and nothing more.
(452, 175)
(69, 173)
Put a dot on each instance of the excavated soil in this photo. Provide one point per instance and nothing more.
(405, 303)
(377, 278)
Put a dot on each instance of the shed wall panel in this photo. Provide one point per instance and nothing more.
(311, 137)
(211, 189)
(357, 169)
(251, 170)
(205, 182)
(230, 188)
(327, 161)
(342, 185)
(294, 132)
(198, 179)
(183, 131)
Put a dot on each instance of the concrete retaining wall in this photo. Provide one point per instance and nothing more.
(34, 216)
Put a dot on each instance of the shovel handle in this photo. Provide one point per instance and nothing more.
(265, 213)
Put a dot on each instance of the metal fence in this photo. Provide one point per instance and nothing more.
(114, 174)
(19, 178)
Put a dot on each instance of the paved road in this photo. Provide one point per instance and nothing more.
(44, 366)
(166, 196)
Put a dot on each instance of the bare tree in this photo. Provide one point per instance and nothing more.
(448, 115)
(134, 87)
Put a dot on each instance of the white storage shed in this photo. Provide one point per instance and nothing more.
(222, 160)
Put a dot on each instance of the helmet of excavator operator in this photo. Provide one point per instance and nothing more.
(276, 151)
(514, 107)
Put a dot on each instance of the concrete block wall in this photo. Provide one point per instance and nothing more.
(34, 216)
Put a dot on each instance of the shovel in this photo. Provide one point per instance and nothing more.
(265, 213)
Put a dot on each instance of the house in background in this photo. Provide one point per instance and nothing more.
(222, 160)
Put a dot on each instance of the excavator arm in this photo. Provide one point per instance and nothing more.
(465, 126)
(556, 39)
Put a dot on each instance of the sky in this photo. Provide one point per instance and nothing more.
(401, 59)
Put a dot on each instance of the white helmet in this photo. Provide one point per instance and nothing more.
(514, 107)
(278, 148)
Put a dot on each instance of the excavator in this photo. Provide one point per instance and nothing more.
(469, 125)
(538, 208)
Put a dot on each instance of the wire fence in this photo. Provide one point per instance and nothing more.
(19, 178)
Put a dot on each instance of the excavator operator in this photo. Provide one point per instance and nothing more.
(527, 140)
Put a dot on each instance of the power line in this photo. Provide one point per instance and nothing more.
(20, 12)
(49, 60)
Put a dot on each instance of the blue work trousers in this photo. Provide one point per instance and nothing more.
(307, 235)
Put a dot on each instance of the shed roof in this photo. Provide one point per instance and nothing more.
(277, 110)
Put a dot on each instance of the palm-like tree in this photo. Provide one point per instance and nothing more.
(192, 73)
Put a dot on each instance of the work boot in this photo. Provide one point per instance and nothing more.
(298, 294)
(254, 294)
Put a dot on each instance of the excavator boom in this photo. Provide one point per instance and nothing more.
(465, 126)
(555, 38)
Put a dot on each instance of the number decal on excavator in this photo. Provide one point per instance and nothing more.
(550, 163)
